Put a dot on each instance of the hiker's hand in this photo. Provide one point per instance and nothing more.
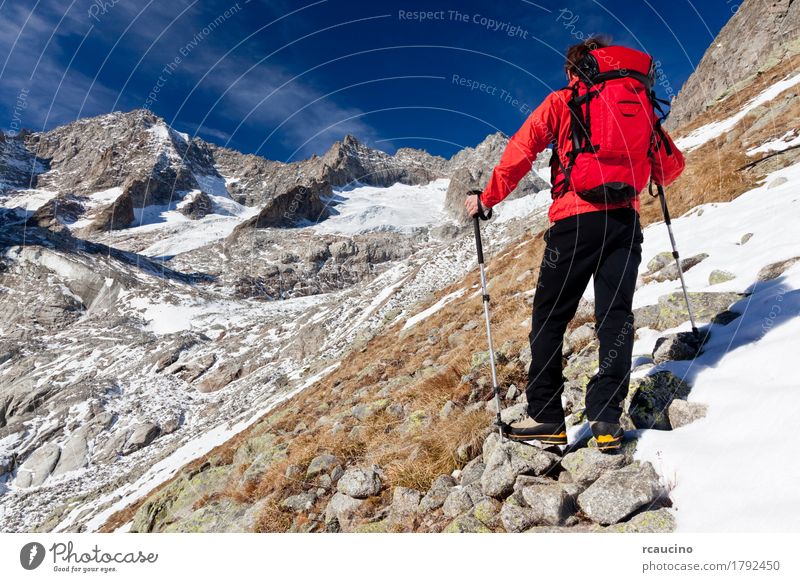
(471, 204)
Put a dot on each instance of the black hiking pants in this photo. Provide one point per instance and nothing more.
(605, 245)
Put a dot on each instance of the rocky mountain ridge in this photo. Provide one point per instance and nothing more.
(772, 33)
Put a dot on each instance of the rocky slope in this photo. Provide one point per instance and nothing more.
(397, 437)
(159, 293)
(772, 30)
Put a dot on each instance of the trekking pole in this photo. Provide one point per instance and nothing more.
(479, 246)
(675, 255)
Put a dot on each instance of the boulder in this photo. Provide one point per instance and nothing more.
(176, 501)
(343, 509)
(74, 454)
(37, 468)
(646, 316)
(658, 262)
(437, 494)
(586, 465)
(681, 412)
(616, 494)
(487, 511)
(195, 205)
(718, 276)
(676, 346)
(649, 399)
(550, 503)
(775, 270)
(509, 460)
(581, 336)
(360, 482)
(299, 503)
(364, 411)
(657, 521)
(461, 499)
(466, 524)
(472, 471)
(670, 271)
(321, 464)
(142, 435)
(514, 413)
(673, 312)
(404, 507)
(219, 516)
(219, 377)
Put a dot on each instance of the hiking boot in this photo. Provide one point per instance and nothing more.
(548, 433)
(608, 435)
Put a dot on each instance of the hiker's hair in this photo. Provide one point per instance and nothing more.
(577, 51)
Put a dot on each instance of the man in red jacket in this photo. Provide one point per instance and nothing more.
(595, 231)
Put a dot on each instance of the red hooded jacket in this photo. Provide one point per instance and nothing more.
(551, 120)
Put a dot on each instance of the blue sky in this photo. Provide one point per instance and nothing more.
(285, 79)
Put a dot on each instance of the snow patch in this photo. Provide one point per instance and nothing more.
(424, 314)
(712, 130)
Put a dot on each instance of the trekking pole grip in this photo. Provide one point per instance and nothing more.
(478, 243)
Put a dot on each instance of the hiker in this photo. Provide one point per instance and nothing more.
(607, 143)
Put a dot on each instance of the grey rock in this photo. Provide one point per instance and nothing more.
(646, 316)
(37, 468)
(677, 346)
(525, 357)
(336, 473)
(458, 501)
(658, 262)
(775, 270)
(405, 504)
(343, 509)
(509, 460)
(681, 412)
(447, 409)
(657, 521)
(581, 336)
(360, 482)
(74, 454)
(321, 464)
(472, 471)
(718, 276)
(672, 307)
(196, 205)
(364, 411)
(512, 392)
(745, 238)
(487, 511)
(437, 494)
(586, 465)
(466, 524)
(551, 503)
(299, 503)
(670, 271)
(616, 494)
(649, 399)
(516, 517)
(489, 444)
(514, 413)
(142, 435)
